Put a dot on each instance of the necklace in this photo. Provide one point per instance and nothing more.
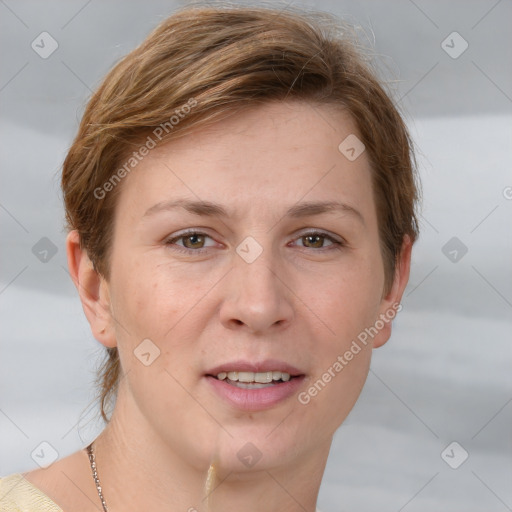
(92, 460)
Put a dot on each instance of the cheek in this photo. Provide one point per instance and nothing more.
(352, 301)
(349, 307)
(147, 298)
(342, 355)
(161, 303)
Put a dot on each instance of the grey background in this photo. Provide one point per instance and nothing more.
(445, 374)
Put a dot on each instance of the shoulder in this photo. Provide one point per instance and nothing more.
(17, 494)
(66, 485)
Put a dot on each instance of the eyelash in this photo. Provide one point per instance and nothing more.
(337, 245)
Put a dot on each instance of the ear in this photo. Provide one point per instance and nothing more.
(390, 303)
(93, 290)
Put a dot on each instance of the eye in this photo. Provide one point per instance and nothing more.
(316, 239)
(193, 241)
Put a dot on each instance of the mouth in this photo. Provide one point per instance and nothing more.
(251, 386)
(254, 380)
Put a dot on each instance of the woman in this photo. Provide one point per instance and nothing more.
(240, 199)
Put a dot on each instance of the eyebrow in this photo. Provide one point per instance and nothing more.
(209, 209)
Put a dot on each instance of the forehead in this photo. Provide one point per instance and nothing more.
(258, 159)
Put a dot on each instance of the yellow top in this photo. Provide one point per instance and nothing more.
(18, 495)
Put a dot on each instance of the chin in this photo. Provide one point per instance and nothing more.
(258, 447)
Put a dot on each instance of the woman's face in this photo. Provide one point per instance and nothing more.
(272, 284)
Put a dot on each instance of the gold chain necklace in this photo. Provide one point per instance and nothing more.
(92, 460)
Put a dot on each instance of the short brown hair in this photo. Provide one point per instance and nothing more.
(223, 60)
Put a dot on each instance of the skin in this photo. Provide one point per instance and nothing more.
(302, 300)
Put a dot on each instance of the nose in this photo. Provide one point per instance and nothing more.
(257, 296)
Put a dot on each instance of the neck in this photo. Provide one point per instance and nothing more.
(138, 471)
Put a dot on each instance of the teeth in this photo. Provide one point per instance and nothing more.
(245, 377)
(264, 377)
(259, 377)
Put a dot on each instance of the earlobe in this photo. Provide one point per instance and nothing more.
(93, 290)
(390, 304)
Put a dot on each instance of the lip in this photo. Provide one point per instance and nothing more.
(255, 399)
